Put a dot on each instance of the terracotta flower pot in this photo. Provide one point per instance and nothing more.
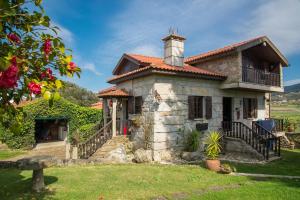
(213, 165)
(290, 129)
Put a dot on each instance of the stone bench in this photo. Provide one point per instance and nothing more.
(35, 163)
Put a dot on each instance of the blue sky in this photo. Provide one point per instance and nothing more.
(100, 31)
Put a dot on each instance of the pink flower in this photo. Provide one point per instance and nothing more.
(47, 47)
(47, 74)
(34, 88)
(9, 78)
(14, 38)
(13, 60)
(71, 66)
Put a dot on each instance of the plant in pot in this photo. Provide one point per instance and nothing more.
(212, 151)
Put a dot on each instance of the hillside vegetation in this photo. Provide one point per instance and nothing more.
(291, 94)
(78, 95)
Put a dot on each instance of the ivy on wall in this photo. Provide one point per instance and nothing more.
(77, 116)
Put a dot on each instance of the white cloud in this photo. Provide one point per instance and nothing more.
(206, 24)
(147, 49)
(141, 26)
(90, 67)
(65, 34)
(280, 20)
(86, 65)
(291, 82)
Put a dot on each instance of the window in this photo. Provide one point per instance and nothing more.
(197, 105)
(138, 101)
(249, 108)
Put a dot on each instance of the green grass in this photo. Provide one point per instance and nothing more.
(5, 154)
(143, 182)
(289, 164)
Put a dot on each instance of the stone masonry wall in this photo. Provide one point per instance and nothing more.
(166, 108)
(171, 121)
(142, 87)
(229, 65)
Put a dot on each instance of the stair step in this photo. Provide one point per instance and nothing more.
(273, 158)
(109, 146)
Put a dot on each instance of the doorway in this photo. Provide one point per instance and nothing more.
(50, 129)
(227, 109)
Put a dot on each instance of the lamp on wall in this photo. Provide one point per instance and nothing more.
(264, 44)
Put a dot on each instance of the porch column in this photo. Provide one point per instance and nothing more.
(114, 117)
(123, 116)
(105, 110)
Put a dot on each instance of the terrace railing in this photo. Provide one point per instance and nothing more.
(252, 75)
(279, 126)
(260, 139)
(90, 146)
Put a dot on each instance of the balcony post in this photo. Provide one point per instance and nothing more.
(114, 117)
(280, 74)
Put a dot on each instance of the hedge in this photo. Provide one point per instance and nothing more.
(88, 130)
(77, 117)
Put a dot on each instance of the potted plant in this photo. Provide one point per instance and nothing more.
(213, 150)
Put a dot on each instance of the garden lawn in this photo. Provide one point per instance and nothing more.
(134, 181)
(6, 153)
(289, 164)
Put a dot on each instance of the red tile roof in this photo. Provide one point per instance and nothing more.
(98, 105)
(220, 50)
(113, 92)
(148, 62)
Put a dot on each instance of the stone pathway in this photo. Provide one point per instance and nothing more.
(265, 175)
(57, 150)
(3, 146)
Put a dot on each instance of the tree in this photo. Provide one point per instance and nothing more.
(32, 56)
(78, 95)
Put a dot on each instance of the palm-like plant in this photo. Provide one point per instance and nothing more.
(213, 148)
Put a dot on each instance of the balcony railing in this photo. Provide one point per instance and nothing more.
(261, 77)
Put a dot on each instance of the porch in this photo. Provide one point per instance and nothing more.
(115, 109)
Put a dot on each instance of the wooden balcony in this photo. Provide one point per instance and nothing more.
(256, 76)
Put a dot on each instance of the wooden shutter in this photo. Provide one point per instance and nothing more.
(199, 113)
(191, 105)
(130, 105)
(208, 104)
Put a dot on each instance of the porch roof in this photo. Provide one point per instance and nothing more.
(113, 92)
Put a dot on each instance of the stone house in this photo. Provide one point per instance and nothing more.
(160, 100)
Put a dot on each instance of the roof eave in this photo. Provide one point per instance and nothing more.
(124, 56)
(166, 72)
(261, 40)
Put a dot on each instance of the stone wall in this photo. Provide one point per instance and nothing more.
(165, 108)
(171, 123)
(142, 87)
(230, 65)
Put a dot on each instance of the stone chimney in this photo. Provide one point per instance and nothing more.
(174, 49)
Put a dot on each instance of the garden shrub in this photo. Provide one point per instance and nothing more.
(88, 130)
(192, 141)
(77, 117)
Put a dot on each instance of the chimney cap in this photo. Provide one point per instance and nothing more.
(173, 36)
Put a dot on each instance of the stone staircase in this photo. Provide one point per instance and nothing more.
(118, 149)
(258, 139)
(286, 143)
